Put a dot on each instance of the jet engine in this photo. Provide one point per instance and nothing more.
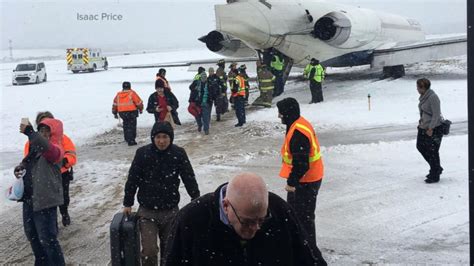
(347, 30)
(226, 45)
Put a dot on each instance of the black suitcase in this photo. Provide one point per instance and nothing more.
(124, 240)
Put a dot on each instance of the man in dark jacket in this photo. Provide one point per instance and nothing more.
(217, 92)
(241, 223)
(220, 72)
(302, 165)
(154, 172)
(171, 101)
(43, 191)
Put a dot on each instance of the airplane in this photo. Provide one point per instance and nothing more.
(337, 35)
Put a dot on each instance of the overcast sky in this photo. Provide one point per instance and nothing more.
(153, 25)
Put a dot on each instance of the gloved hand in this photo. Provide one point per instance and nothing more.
(19, 171)
(116, 116)
(27, 130)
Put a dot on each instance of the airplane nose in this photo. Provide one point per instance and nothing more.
(246, 21)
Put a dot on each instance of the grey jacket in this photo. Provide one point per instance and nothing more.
(43, 181)
(430, 110)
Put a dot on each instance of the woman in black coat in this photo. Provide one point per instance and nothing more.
(171, 100)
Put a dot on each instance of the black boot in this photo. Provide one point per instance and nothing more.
(66, 220)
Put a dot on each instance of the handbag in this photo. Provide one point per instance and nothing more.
(194, 109)
(446, 125)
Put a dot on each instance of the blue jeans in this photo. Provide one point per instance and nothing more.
(41, 229)
(204, 118)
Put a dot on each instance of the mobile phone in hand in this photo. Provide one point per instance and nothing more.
(25, 121)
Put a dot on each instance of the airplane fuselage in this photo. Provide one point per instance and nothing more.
(338, 35)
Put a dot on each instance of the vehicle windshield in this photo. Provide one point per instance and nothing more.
(25, 67)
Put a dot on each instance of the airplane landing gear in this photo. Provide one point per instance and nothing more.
(393, 72)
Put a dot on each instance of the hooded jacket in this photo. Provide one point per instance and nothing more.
(155, 174)
(299, 144)
(43, 181)
(199, 237)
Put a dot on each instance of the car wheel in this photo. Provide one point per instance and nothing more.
(75, 71)
(37, 80)
(45, 78)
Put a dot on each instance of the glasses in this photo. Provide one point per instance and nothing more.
(251, 222)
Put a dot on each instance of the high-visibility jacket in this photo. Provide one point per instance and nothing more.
(69, 153)
(126, 101)
(265, 79)
(316, 168)
(167, 85)
(240, 82)
(277, 63)
(307, 70)
(318, 74)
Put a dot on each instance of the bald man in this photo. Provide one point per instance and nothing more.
(241, 223)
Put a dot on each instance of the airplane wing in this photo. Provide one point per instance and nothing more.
(191, 64)
(429, 49)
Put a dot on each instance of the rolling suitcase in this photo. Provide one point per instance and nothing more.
(124, 240)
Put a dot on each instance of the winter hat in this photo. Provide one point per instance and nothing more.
(289, 108)
(159, 84)
(126, 85)
(211, 71)
(201, 69)
(162, 127)
(161, 71)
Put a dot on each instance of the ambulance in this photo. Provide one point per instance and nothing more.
(85, 59)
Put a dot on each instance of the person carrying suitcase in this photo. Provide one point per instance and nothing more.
(154, 172)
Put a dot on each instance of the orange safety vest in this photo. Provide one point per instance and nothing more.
(69, 152)
(316, 168)
(127, 100)
(167, 85)
(241, 82)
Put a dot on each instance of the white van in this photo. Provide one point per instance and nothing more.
(29, 72)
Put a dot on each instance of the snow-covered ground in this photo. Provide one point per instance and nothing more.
(373, 206)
